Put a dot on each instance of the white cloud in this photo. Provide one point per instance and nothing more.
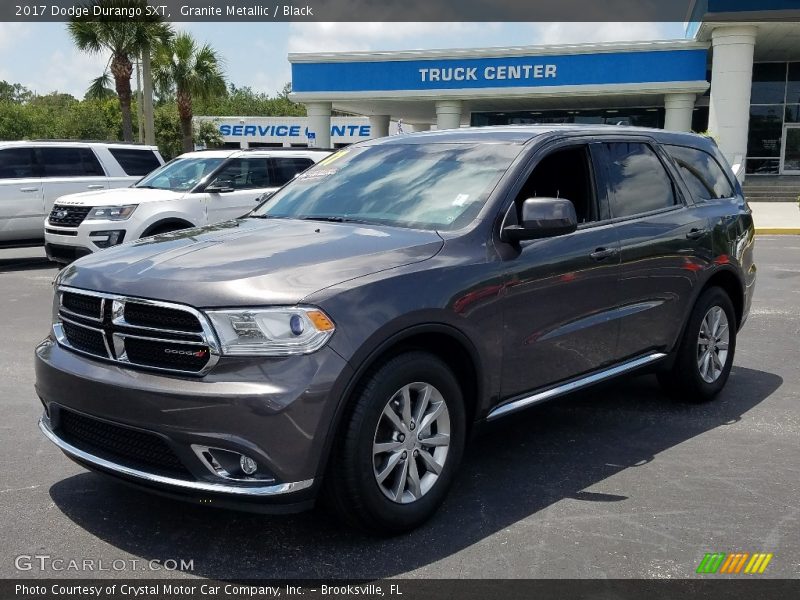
(68, 71)
(12, 33)
(355, 37)
(576, 33)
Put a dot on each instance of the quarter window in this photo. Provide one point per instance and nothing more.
(285, 168)
(134, 161)
(701, 172)
(637, 180)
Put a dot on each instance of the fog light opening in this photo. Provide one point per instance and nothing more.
(248, 465)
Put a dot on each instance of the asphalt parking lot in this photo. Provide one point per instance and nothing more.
(615, 483)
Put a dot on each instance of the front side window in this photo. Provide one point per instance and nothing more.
(181, 174)
(243, 174)
(69, 162)
(637, 180)
(432, 186)
(701, 172)
(17, 163)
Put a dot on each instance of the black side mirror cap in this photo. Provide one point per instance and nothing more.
(541, 218)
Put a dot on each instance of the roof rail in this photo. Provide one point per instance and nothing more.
(77, 141)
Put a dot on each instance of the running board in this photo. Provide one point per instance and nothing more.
(565, 388)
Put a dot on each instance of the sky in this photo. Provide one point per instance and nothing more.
(42, 58)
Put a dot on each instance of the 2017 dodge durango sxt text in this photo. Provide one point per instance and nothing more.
(344, 339)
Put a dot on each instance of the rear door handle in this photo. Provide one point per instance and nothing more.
(603, 253)
(29, 189)
(696, 233)
(96, 186)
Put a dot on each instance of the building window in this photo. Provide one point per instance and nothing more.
(769, 83)
(638, 117)
(774, 101)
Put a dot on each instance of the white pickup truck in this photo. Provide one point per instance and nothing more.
(197, 188)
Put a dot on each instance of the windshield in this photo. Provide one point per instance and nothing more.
(181, 174)
(435, 186)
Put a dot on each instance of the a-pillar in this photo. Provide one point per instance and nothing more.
(679, 109)
(448, 114)
(378, 126)
(731, 80)
(319, 121)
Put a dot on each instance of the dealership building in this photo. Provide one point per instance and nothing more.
(736, 75)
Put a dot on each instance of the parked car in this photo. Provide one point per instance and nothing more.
(197, 188)
(33, 174)
(346, 338)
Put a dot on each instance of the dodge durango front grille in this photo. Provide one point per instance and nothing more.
(135, 332)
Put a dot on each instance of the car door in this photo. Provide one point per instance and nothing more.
(21, 197)
(664, 242)
(236, 188)
(69, 170)
(561, 293)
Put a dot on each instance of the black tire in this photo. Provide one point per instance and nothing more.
(351, 487)
(684, 381)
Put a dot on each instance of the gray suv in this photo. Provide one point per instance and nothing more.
(345, 339)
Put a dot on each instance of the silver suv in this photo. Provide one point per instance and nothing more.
(33, 174)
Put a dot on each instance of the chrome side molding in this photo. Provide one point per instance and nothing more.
(194, 486)
(565, 388)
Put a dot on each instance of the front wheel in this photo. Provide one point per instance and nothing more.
(705, 355)
(399, 450)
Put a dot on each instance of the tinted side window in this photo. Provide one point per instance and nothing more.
(701, 172)
(69, 162)
(637, 180)
(284, 169)
(135, 161)
(16, 163)
(244, 173)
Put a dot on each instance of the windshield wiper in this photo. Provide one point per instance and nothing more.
(334, 219)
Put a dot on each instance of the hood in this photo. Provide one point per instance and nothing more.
(118, 197)
(249, 262)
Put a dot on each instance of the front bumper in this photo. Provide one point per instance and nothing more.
(277, 411)
(66, 244)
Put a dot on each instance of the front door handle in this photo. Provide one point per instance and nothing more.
(603, 253)
(696, 233)
(29, 189)
(96, 186)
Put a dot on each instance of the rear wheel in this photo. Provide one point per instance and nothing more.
(705, 355)
(398, 452)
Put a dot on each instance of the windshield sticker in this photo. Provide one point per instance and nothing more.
(333, 157)
(316, 174)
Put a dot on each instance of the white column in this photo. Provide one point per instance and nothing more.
(448, 114)
(679, 108)
(379, 126)
(731, 78)
(319, 121)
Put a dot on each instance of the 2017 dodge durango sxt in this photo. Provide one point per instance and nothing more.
(345, 339)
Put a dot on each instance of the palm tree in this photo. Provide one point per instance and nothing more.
(190, 71)
(126, 40)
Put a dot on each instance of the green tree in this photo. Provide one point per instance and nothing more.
(14, 92)
(188, 70)
(125, 40)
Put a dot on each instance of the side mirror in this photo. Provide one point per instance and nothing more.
(541, 218)
(219, 187)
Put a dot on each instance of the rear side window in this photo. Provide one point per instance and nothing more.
(16, 163)
(637, 180)
(69, 162)
(135, 161)
(285, 168)
(701, 172)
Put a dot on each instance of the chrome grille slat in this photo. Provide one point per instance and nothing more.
(157, 349)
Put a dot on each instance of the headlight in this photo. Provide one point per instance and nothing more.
(271, 331)
(111, 213)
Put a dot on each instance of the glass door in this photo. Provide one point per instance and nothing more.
(790, 157)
